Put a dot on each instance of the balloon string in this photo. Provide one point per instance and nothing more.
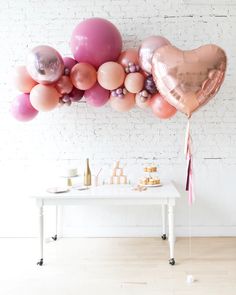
(189, 158)
(190, 238)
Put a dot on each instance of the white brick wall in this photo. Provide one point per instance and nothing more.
(67, 135)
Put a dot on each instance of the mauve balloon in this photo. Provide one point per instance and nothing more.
(96, 41)
(146, 51)
(97, 96)
(22, 109)
(44, 64)
(189, 79)
(69, 62)
(76, 94)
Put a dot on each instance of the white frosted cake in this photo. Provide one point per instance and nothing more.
(71, 172)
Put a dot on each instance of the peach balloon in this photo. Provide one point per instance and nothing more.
(44, 97)
(64, 85)
(111, 75)
(161, 108)
(143, 99)
(123, 104)
(134, 82)
(23, 80)
(83, 76)
(129, 56)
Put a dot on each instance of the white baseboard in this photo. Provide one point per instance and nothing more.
(143, 231)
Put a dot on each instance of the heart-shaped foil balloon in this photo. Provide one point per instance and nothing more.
(188, 79)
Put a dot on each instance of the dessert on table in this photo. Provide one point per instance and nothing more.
(151, 178)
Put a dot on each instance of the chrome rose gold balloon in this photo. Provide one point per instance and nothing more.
(45, 64)
(146, 51)
(189, 79)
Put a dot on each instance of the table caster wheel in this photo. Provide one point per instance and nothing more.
(40, 262)
(163, 237)
(172, 261)
(54, 238)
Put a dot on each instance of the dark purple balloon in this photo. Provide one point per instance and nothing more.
(76, 94)
(150, 85)
(22, 109)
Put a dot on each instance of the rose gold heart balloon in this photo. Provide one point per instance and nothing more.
(188, 79)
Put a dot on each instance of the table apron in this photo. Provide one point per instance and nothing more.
(104, 201)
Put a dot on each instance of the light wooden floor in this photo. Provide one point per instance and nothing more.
(118, 266)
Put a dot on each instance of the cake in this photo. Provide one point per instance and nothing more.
(71, 172)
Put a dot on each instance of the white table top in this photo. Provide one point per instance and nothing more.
(167, 190)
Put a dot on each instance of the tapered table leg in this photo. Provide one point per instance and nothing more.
(56, 235)
(171, 233)
(41, 232)
(163, 215)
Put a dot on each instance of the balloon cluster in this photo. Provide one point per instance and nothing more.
(154, 76)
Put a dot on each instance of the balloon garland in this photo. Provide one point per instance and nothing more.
(157, 76)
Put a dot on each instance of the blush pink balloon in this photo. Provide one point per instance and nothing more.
(23, 80)
(123, 104)
(189, 79)
(134, 82)
(146, 51)
(97, 96)
(69, 62)
(128, 56)
(44, 97)
(111, 75)
(83, 76)
(96, 41)
(64, 85)
(45, 64)
(22, 109)
(161, 108)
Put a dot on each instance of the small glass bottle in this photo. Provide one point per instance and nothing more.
(87, 174)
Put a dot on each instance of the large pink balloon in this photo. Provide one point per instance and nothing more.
(44, 97)
(97, 96)
(146, 51)
(22, 109)
(45, 64)
(96, 41)
(161, 108)
(23, 80)
(123, 104)
(189, 79)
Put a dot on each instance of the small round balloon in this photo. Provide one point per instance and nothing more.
(161, 108)
(22, 109)
(23, 80)
(143, 99)
(134, 82)
(96, 41)
(69, 62)
(97, 96)
(146, 51)
(111, 75)
(76, 94)
(45, 64)
(129, 60)
(83, 76)
(64, 85)
(44, 97)
(123, 104)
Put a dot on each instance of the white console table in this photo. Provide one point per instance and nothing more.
(114, 195)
